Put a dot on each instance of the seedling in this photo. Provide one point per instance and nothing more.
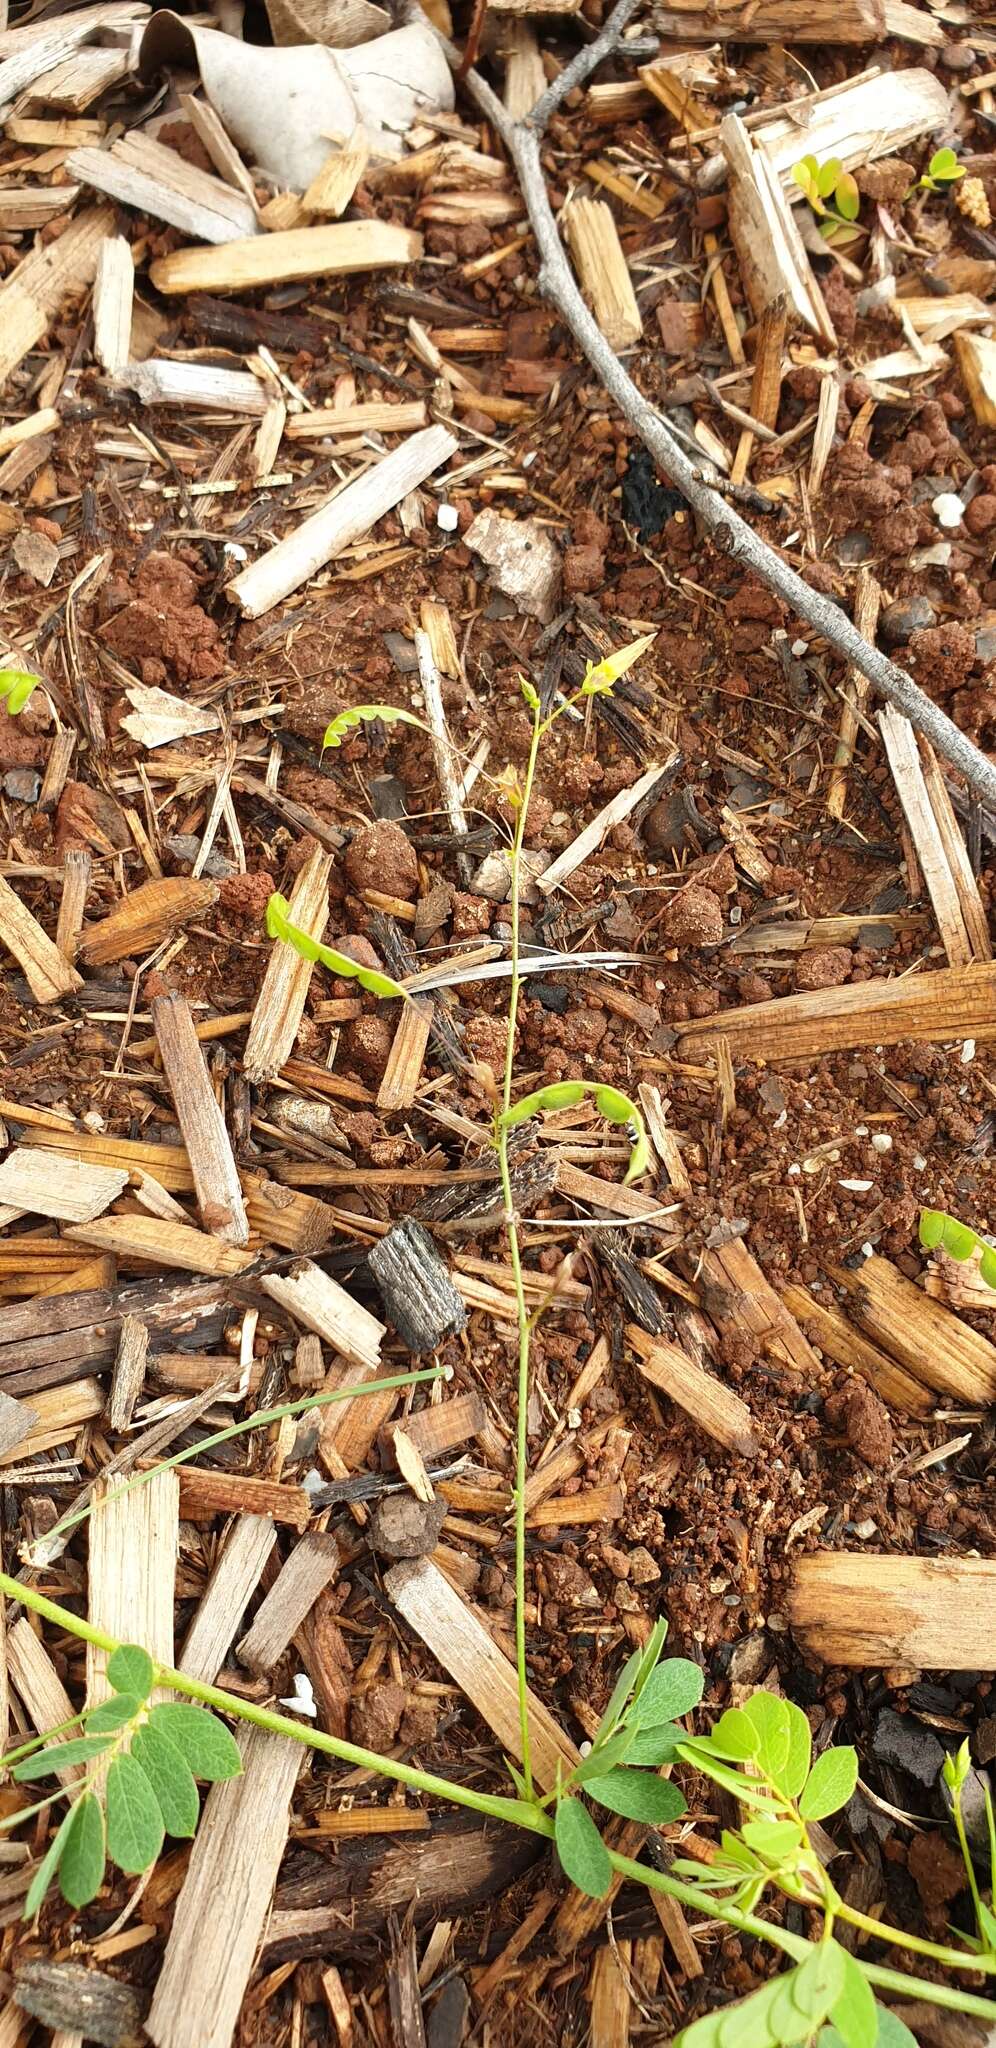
(941, 1232)
(942, 170)
(833, 195)
(279, 926)
(16, 686)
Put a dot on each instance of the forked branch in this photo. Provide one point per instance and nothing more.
(730, 532)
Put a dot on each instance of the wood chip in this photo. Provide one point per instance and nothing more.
(311, 1566)
(956, 1002)
(71, 1190)
(603, 272)
(209, 1148)
(49, 976)
(938, 1614)
(241, 266)
(713, 1406)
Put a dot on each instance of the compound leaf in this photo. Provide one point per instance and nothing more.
(134, 1823)
(830, 1783)
(81, 1865)
(210, 1751)
(279, 926)
(130, 1669)
(583, 1855)
(170, 1777)
(638, 1795)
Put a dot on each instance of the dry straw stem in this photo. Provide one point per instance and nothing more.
(732, 535)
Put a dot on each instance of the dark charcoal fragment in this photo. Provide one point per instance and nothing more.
(72, 1999)
(908, 1747)
(647, 504)
(419, 1297)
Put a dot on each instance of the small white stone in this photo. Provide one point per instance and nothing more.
(303, 1699)
(447, 518)
(856, 1187)
(867, 1250)
(793, 1170)
(861, 1130)
(799, 648)
(968, 1051)
(948, 509)
(881, 1141)
(919, 1162)
(236, 550)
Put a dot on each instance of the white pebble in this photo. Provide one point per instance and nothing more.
(919, 1162)
(447, 518)
(856, 1187)
(799, 648)
(968, 1051)
(881, 1141)
(303, 1700)
(948, 509)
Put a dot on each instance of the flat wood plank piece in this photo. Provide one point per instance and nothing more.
(867, 603)
(773, 261)
(404, 1065)
(30, 298)
(899, 741)
(318, 1303)
(49, 976)
(194, 387)
(381, 417)
(615, 812)
(956, 1002)
(17, 1421)
(419, 1297)
(713, 1406)
(311, 1566)
(211, 131)
(134, 1547)
(609, 1196)
(934, 1345)
(976, 356)
(59, 1414)
(602, 269)
(464, 1646)
(144, 174)
(33, 206)
(331, 190)
(72, 903)
(870, 117)
(165, 1243)
(837, 1338)
(202, 1125)
(128, 1377)
(737, 1295)
(339, 251)
(40, 1183)
(35, 1679)
(150, 913)
(821, 21)
(936, 1613)
(223, 1906)
(280, 1004)
(286, 1216)
(956, 853)
(204, 1494)
(167, 1164)
(346, 517)
(226, 1596)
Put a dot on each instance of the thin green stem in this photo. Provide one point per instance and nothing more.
(966, 1856)
(522, 1311)
(260, 1420)
(952, 1958)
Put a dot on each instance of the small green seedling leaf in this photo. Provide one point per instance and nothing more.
(956, 1766)
(638, 1795)
(847, 197)
(987, 1266)
(620, 1694)
(854, 2012)
(530, 693)
(610, 1103)
(959, 1241)
(830, 1784)
(16, 686)
(130, 1669)
(892, 2031)
(944, 167)
(769, 1715)
(674, 1688)
(113, 1714)
(210, 1751)
(48, 1866)
(134, 1822)
(279, 926)
(819, 1981)
(170, 1777)
(827, 176)
(82, 1750)
(81, 1865)
(799, 1754)
(583, 1855)
(734, 1736)
(364, 714)
(932, 1223)
(775, 1840)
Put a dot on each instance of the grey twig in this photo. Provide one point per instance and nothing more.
(731, 533)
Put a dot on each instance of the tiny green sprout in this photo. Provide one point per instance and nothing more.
(530, 693)
(826, 183)
(943, 169)
(16, 686)
(941, 1232)
(609, 1102)
(602, 676)
(279, 926)
(364, 714)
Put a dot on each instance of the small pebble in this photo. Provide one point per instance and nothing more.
(302, 1700)
(908, 615)
(447, 518)
(881, 1141)
(948, 509)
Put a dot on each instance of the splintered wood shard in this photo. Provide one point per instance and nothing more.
(209, 1148)
(935, 1346)
(901, 752)
(31, 296)
(347, 516)
(311, 1566)
(113, 293)
(280, 1003)
(318, 1303)
(956, 1002)
(241, 266)
(134, 1545)
(229, 1589)
(703, 1397)
(49, 976)
(936, 1613)
(34, 1677)
(464, 1646)
(149, 914)
(838, 1339)
(222, 1909)
(44, 1184)
(773, 260)
(165, 1243)
(144, 174)
(415, 1286)
(603, 272)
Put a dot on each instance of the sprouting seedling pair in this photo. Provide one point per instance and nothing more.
(609, 1102)
(941, 1232)
(943, 170)
(16, 686)
(833, 195)
(279, 926)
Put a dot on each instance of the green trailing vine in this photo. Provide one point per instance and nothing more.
(142, 1758)
(16, 686)
(941, 1232)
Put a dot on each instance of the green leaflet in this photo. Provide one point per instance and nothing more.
(204, 1741)
(16, 686)
(656, 1745)
(799, 1754)
(131, 1670)
(48, 1866)
(673, 1689)
(170, 1777)
(776, 1840)
(610, 1103)
(830, 1783)
(854, 2012)
(364, 714)
(81, 1864)
(83, 1749)
(113, 1714)
(734, 1736)
(134, 1822)
(959, 1240)
(583, 1855)
(770, 1716)
(278, 926)
(638, 1795)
